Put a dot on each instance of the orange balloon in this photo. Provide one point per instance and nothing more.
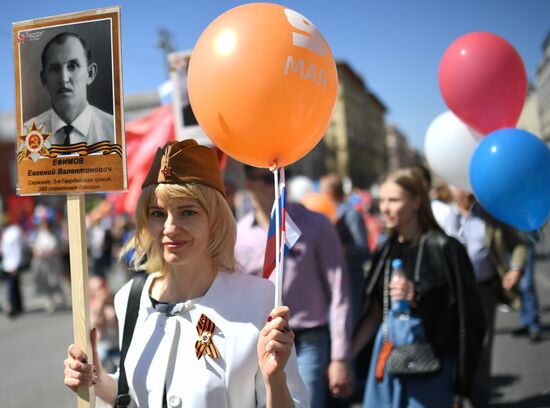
(262, 84)
(321, 203)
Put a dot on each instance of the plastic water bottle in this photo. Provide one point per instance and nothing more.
(400, 308)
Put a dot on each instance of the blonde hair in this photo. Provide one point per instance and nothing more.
(410, 179)
(222, 235)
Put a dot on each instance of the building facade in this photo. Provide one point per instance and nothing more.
(400, 152)
(529, 119)
(354, 144)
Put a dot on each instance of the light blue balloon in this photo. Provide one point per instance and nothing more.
(510, 176)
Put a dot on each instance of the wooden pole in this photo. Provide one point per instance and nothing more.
(78, 247)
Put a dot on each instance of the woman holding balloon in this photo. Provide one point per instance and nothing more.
(203, 336)
(266, 109)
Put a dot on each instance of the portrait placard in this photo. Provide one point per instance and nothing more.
(186, 124)
(69, 104)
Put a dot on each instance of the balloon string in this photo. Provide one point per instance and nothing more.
(283, 233)
(278, 264)
(278, 278)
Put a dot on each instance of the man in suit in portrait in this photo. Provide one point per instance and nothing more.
(67, 70)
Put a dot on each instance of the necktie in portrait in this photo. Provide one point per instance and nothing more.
(67, 129)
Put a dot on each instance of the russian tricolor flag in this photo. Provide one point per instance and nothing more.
(288, 231)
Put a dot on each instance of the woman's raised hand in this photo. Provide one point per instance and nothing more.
(275, 342)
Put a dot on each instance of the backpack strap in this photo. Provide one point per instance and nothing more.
(123, 398)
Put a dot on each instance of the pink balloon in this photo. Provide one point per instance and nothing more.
(483, 81)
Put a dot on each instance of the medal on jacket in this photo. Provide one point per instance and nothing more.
(204, 343)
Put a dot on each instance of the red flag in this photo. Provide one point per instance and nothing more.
(143, 137)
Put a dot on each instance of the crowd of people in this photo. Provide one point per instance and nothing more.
(338, 340)
(37, 245)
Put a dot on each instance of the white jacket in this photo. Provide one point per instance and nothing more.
(163, 348)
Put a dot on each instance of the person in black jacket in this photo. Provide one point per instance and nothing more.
(440, 289)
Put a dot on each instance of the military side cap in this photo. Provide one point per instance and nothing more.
(185, 162)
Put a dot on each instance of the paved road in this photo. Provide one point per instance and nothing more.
(32, 350)
(33, 346)
(521, 370)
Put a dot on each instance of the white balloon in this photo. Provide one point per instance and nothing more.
(449, 146)
(298, 187)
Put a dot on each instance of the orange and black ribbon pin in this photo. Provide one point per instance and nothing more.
(204, 343)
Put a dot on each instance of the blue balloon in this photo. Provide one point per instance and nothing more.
(510, 176)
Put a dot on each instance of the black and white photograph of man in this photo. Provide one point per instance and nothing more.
(68, 72)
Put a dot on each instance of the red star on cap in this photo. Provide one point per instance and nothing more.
(166, 171)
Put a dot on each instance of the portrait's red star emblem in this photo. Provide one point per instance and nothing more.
(166, 171)
(32, 143)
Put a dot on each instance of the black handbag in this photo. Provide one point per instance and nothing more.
(409, 359)
(412, 359)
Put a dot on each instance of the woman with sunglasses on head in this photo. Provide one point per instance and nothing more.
(204, 336)
(439, 314)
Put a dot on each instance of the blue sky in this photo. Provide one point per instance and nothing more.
(395, 46)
